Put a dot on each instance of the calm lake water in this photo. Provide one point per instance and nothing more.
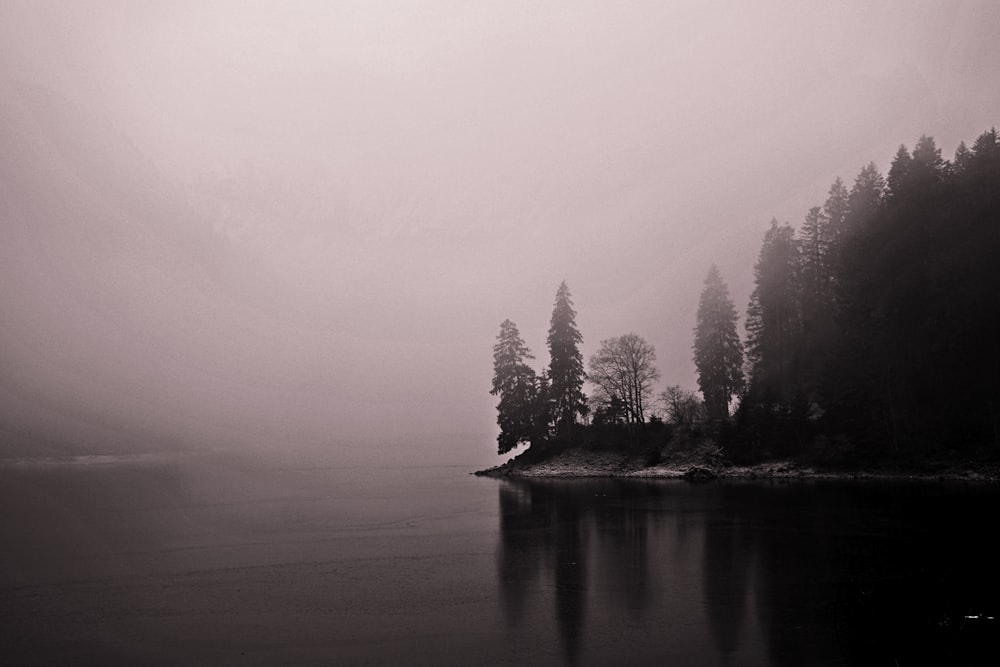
(208, 560)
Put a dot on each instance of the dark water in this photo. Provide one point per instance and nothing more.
(204, 560)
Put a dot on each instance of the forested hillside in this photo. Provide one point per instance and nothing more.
(872, 330)
(871, 335)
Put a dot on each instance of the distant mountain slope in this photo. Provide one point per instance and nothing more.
(125, 321)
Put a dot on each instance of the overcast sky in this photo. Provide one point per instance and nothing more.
(268, 222)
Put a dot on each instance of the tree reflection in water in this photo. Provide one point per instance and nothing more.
(726, 576)
(751, 573)
(541, 534)
(549, 531)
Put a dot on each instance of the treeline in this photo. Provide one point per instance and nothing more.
(872, 332)
(549, 410)
(540, 408)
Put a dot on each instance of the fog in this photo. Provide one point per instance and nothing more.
(298, 225)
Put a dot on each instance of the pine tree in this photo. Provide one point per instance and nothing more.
(544, 412)
(984, 171)
(773, 321)
(899, 173)
(718, 354)
(863, 204)
(819, 259)
(927, 158)
(816, 244)
(566, 373)
(928, 169)
(835, 208)
(961, 159)
(987, 145)
(516, 385)
(865, 197)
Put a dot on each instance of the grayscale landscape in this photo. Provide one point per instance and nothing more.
(704, 292)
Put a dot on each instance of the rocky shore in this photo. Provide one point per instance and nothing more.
(707, 462)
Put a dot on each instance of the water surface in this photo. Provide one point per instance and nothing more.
(211, 560)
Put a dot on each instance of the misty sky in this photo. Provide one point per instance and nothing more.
(264, 223)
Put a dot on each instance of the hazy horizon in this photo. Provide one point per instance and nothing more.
(264, 224)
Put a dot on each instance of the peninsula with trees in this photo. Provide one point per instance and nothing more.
(870, 346)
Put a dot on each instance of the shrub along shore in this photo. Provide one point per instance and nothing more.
(699, 459)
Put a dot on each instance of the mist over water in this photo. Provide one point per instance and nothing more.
(253, 258)
(256, 225)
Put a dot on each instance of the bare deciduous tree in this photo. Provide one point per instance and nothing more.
(623, 369)
(681, 406)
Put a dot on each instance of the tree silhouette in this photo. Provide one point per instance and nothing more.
(865, 197)
(718, 353)
(899, 173)
(516, 385)
(835, 209)
(565, 364)
(874, 328)
(879, 323)
(623, 369)
(774, 322)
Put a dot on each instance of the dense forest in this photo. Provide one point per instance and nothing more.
(871, 334)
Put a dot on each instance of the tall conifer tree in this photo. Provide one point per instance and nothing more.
(865, 197)
(899, 173)
(774, 322)
(515, 383)
(835, 209)
(718, 354)
(566, 373)
(816, 244)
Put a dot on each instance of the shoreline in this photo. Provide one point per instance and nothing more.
(706, 464)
